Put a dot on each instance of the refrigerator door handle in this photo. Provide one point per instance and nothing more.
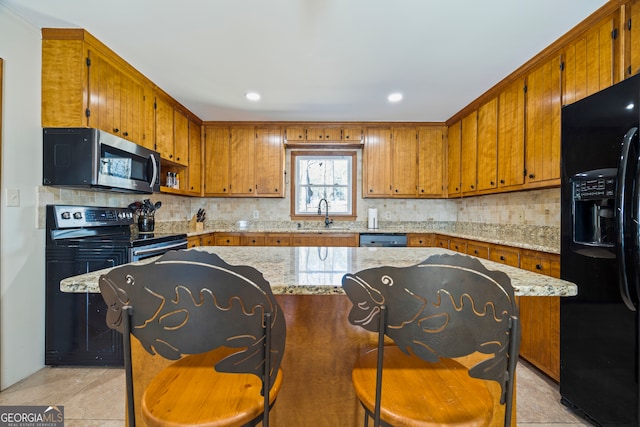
(621, 218)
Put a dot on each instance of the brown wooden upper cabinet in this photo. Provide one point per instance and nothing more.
(454, 183)
(431, 155)
(377, 162)
(323, 134)
(469, 154)
(244, 161)
(589, 61)
(84, 84)
(194, 172)
(511, 135)
(172, 132)
(488, 146)
(542, 147)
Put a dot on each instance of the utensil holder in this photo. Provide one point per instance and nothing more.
(146, 223)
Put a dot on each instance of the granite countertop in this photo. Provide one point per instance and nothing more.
(319, 270)
(537, 238)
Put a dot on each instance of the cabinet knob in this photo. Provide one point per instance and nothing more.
(278, 241)
(475, 251)
(472, 187)
(456, 188)
(396, 190)
(116, 130)
(531, 176)
(371, 190)
(346, 137)
(224, 190)
(502, 181)
(275, 190)
(126, 133)
(538, 267)
(501, 258)
(250, 190)
(493, 183)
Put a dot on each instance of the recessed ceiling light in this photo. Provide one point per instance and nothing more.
(252, 96)
(630, 106)
(395, 97)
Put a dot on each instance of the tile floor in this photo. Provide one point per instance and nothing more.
(94, 397)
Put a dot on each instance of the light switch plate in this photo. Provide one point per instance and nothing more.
(13, 197)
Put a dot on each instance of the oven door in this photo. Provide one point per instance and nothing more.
(142, 252)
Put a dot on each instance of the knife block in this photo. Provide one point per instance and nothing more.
(194, 225)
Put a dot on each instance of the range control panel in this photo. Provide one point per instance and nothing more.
(91, 216)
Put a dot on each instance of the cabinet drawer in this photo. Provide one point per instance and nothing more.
(442, 242)
(478, 249)
(227, 240)
(458, 245)
(252, 239)
(207, 240)
(547, 265)
(420, 240)
(277, 239)
(192, 242)
(505, 256)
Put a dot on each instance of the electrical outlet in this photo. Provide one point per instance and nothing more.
(13, 198)
(256, 214)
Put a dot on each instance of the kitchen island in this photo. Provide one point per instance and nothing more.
(319, 270)
(322, 346)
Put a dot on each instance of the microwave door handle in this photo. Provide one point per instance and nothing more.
(621, 218)
(154, 175)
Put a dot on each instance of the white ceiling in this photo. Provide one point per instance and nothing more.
(319, 60)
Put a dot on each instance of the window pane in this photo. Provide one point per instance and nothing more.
(323, 177)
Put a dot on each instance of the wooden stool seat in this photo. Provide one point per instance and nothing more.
(191, 392)
(418, 393)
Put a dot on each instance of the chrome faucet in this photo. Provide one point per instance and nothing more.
(327, 221)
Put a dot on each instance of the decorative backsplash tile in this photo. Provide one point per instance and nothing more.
(524, 217)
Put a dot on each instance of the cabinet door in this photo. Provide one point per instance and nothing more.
(453, 159)
(193, 241)
(132, 109)
(316, 134)
(352, 134)
(101, 92)
(511, 135)
(469, 154)
(65, 74)
(277, 239)
(295, 134)
(488, 145)
(243, 180)
(377, 163)
(542, 160)
(589, 62)
(405, 162)
(430, 161)
(164, 129)
(217, 145)
(270, 167)
(420, 240)
(504, 255)
(181, 138)
(458, 245)
(632, 62)
(333, 134)
(480, 250)
(195, 159)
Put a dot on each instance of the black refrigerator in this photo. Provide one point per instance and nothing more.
(600, 229)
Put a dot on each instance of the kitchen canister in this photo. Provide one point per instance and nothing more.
(372, 218)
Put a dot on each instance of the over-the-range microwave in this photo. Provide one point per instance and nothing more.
(93, 159)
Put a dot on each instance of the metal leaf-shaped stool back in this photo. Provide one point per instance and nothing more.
(191, 302)
(447, 306)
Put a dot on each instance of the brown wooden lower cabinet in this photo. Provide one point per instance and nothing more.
(193, 241)
(325, 239)
(505, 255)
(227, 239)
(277, 239)
(420, 240)
(458, 245)
(207, 239)
(480, 250)
(252, 239)
(540, 317)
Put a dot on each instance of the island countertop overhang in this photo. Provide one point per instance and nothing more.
(319, 270)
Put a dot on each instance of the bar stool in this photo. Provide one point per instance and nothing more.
(192, 307)
(446, 307)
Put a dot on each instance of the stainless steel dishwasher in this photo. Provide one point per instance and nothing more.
(387, 240)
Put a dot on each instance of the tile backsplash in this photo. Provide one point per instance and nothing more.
(527, 210)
